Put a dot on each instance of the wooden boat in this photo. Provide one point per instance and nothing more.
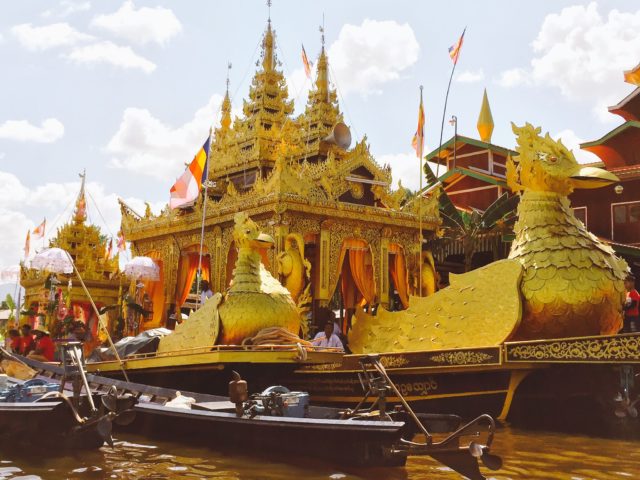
(364, 437)
(41, 412)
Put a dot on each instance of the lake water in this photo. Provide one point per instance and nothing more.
(526, 455)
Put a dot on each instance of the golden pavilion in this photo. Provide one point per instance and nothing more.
(55, 300)
(343, 236)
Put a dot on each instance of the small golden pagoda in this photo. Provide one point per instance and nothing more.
(338, 225)
(65, 300)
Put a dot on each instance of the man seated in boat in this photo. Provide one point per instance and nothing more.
(44, 349)
(14, 340)
(327, 338)
(27, 343)
(207, 293)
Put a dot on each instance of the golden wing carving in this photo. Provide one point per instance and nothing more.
(480, 308)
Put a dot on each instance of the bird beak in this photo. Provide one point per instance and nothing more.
(265, 240)
(592, 177)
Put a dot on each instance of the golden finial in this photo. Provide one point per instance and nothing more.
(485, 120)
(80, 213)
(225, 121)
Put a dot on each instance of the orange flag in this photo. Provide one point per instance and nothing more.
(27, 244)
(39, 230)
(418, 139)
(307, 64)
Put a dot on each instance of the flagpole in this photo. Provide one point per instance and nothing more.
(420, 216)
(444, 111)
(204, 213)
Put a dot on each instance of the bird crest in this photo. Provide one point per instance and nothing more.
(543, 164)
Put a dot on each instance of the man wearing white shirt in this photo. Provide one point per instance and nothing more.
(206, 292)
(327, 338)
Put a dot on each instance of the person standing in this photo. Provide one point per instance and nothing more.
(631, 306)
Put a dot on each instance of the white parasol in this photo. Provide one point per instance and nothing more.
(10, 274)
(142, 268)
(55, 260)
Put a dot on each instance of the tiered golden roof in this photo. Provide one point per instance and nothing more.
(87, 246)
(292, 175)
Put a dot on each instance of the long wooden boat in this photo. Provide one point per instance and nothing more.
(571, 381)
(41, 412)
(359, 437)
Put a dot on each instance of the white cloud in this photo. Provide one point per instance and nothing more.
(55, 202)
(572, 142)
(299, 86)
(49, 36)
(470, 76)
(514, 77)
(583, 54)
(112, 54)
(142, 26)
(50, 130)
(66, 8)
(366, 56)
(406, 168)
(146, 145)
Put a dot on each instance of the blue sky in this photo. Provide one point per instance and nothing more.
(128, 90)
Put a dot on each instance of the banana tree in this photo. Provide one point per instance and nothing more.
(469, 227)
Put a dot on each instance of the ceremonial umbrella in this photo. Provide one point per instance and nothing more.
(142, 268)
(57, 260)
(10, 274)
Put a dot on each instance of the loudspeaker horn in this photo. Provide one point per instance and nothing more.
(340, 136)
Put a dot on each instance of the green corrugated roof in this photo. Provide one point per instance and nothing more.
(470, 141)
(616, 131)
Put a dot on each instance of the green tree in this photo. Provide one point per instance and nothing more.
(469, 227)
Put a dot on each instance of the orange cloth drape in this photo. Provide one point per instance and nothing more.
(187, 270)
(156, 294)
(399, 274)
(360, 270)
(350, 294)
(186, 274)
(362, 273)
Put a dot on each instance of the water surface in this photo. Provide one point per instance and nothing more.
(527, 455)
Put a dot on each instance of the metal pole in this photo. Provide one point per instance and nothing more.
(204, 214)
(444, 112)
(420, 219)
(454, 119)
(102, 325)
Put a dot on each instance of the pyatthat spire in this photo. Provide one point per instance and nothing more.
(485, 120)
(80, 212)
(268, 50)
(225, 121)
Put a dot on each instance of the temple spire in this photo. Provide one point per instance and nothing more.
(268, 49)
(80, 212)
(225, 121)
(322, 76)
(485, 120)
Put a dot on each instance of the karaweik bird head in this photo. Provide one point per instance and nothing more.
(246, 233)
(546, 165)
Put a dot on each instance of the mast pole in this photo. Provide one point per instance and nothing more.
(420, 216)
(204, 214)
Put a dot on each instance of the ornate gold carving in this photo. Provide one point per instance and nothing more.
(395, 361)
(461, 357)
(606, 349)
(479, 308)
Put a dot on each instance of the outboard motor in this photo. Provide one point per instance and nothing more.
(238, 392)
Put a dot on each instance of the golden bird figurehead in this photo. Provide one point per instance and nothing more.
(546, 165)
(246, 233)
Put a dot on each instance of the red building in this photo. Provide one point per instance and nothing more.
(613, 212)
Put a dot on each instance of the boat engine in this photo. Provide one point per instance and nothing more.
(278, 401)
(28, 391)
